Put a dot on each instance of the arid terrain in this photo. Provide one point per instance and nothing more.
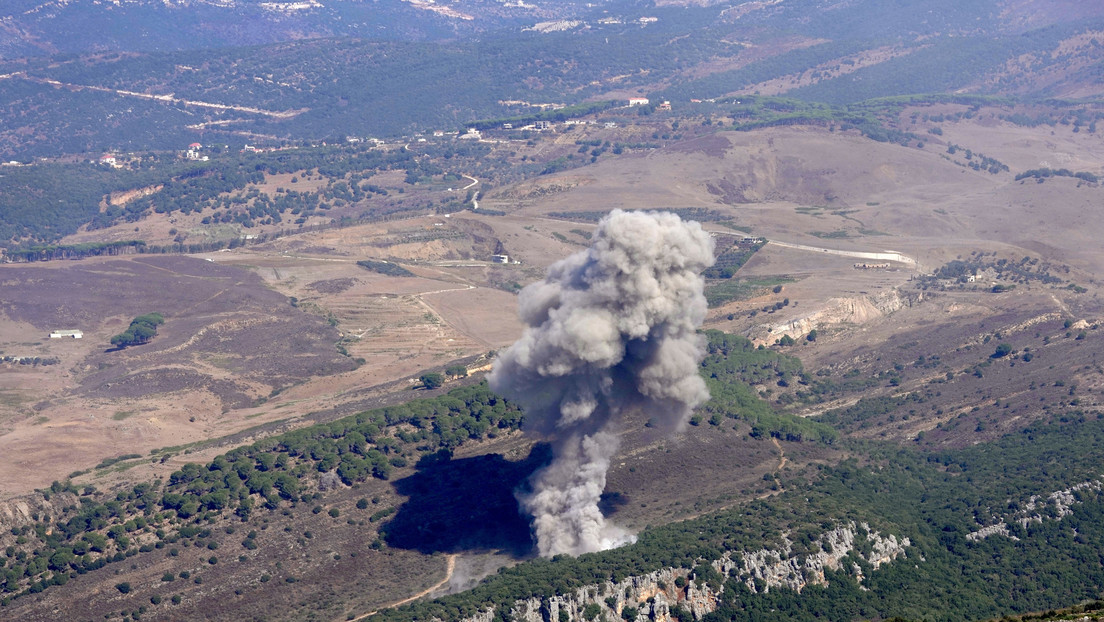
(274, 336)
(250, 332)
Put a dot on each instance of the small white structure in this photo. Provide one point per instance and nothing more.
(500, 258)
(67, 333)
(638, 101)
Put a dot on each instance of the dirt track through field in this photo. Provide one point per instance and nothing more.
(278, 114)
(882, 256)
(781, 455)
(450, 567)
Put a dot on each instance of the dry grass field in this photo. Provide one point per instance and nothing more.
(249, 332)
(254, 336)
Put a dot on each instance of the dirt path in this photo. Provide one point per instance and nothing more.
(781, 455)
(882, 256)
(782, 459)
(278, 114)
(451, 566)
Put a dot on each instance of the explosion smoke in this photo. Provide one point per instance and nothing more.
(610, 329)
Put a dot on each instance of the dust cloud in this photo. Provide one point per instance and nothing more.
(610, 330)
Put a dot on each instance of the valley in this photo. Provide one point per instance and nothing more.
(901, 341)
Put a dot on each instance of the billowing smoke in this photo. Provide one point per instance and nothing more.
(610, 330)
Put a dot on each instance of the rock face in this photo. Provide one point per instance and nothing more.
(655, 594)
(1035, 509)
(23, 510)
(854, 310)
(28, 510)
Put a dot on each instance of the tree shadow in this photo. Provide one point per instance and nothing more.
(465, 505)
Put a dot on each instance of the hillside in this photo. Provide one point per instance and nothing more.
(902, 372)
(47, 27)
(315, 87)
(330, 228)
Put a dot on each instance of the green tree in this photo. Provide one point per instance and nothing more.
(432, 380)
(141, 330)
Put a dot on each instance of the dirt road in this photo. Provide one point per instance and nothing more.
(451, 566)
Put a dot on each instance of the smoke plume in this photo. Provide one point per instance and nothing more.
(610, 330)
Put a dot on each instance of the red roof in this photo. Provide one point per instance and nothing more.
(195, 146)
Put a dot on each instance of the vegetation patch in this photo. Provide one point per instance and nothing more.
(141, 330)
(384, 267)
(719, 293)
(1043, 173)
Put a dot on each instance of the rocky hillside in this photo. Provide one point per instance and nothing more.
(657, 596)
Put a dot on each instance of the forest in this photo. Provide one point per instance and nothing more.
(44, 202)
(320, 88)
(935, 500)
(284, 469)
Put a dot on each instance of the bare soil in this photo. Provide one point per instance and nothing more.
(235, 351)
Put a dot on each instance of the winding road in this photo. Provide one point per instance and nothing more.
(449, 569)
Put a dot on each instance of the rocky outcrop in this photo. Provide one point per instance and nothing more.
(1054, 506)
(656, 594)
(856, 310)
(30, 509)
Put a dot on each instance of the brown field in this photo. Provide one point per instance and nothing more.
(250, 335)
(234, 352)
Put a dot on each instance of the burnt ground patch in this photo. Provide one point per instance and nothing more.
(224, 331)
(465, 505)
(333, 286)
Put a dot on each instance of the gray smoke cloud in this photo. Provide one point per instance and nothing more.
(610, 330)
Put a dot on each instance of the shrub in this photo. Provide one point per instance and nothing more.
(432, 380)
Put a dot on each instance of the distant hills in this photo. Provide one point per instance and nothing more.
(86, 76)
(46, 27)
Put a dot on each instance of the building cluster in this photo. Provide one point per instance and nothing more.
(193, 153)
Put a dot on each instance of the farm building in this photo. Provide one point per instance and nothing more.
(67, 333)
